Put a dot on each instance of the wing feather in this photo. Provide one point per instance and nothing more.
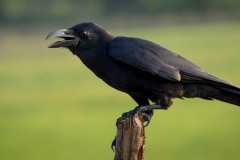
(150, 57)
(138, 53)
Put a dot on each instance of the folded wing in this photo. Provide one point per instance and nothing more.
(150, 57)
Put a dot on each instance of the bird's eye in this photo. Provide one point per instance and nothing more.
(84, 34)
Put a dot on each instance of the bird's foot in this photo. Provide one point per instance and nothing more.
(145, 112)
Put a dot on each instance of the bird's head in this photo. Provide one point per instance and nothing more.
(81, 37)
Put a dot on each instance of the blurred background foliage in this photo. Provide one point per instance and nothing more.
(62, 11)
(53, 108)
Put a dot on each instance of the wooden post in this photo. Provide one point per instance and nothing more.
(130, 139)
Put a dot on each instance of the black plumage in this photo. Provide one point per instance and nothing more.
(144, 70)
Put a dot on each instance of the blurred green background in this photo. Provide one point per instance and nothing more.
(53, 108)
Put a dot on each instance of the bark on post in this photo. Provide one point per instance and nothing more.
(130, 139)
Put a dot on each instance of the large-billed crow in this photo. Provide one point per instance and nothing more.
(142, 69)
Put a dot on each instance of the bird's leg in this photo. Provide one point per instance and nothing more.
(141, 101)
(146, 112)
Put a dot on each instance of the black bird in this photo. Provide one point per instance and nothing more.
(142, 69)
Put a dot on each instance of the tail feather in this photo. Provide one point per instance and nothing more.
(228, 93)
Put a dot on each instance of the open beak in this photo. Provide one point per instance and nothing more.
(69, 39)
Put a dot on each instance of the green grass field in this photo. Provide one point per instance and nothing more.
(53, 108)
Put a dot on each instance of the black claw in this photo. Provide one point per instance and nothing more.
(125, 116)
(146, 112)
(146, 118)
(148, 122)
(113, 145)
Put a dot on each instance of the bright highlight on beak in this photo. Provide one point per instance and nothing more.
(61, 33)
(69, 38)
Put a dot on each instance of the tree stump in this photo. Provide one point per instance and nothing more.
(130, 139)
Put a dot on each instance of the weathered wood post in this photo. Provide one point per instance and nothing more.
(130, 139)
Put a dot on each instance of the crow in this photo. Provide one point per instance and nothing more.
(144, 70)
